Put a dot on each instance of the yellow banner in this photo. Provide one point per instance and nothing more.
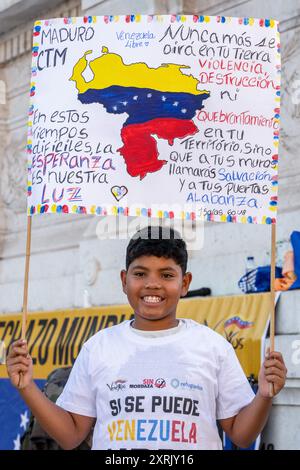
(55, 338)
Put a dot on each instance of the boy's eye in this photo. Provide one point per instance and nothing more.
(168, 275)
(138, 273)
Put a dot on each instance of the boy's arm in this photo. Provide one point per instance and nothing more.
(68, 429)
(243, 428)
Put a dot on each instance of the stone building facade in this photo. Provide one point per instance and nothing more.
(70, 267)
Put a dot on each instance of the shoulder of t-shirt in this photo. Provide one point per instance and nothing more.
(211, 336)
(109, 332)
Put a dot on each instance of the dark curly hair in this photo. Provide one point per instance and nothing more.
(163, 242)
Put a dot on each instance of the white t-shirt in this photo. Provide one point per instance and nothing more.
(161, 390)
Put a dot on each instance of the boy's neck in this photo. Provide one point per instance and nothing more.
(152, 325)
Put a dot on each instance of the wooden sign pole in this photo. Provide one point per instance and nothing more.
(26, 278)
(272, 299)
(25, 292)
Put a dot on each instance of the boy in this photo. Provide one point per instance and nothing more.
(156, 382)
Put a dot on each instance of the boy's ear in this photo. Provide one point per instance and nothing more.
(186, 281)
(123, 275)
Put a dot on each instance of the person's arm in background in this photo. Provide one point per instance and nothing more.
(243, 428)
(68, 429)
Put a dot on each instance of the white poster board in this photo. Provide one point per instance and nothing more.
(163, 116)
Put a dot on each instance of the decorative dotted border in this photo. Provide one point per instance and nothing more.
(274, 198)
(117, 210)
(144, 212)
(247, 21)
(35, 50)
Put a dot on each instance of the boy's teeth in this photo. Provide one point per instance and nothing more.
(152, 299)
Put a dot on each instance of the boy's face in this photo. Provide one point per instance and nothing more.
(154, 286)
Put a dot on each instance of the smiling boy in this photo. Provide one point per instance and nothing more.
(157, 382)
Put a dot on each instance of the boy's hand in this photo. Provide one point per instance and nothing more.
(19, 364)
(273, 371)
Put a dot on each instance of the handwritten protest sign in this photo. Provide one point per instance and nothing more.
(163, 116)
